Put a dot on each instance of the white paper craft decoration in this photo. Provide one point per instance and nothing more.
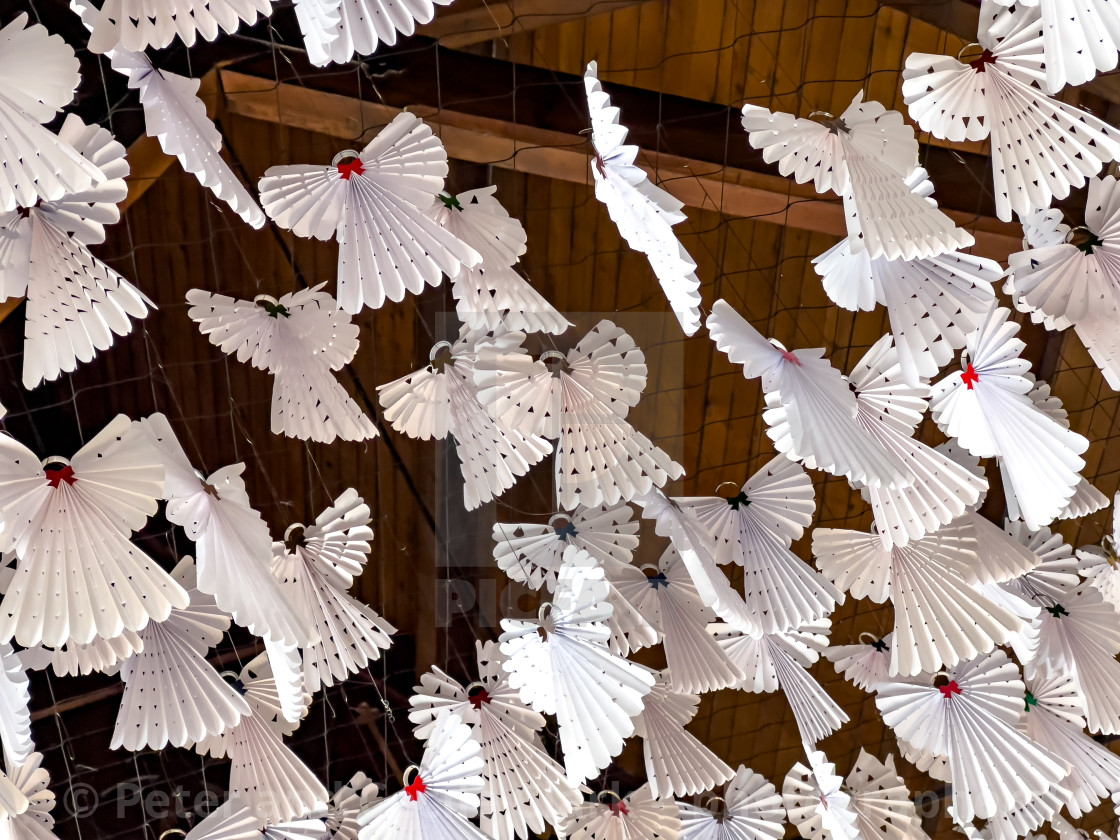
(820, 408)
(1080, 39)
(442, 399)
(71, 660)
(15, 717)
(440, 796)
(26, 801)
(640, 816)
(172, 695)
(750, 809)
(1041, 147)
(337, 30)
(643, 212)
(940, 619)
(562, 665)
(233, 548)
(301, 339)
(866, 155)
(816, 803)
(669, 600)
(316, 566)
(523, 787)
(677, 764)
(139, 24)
(581, 400)
(38, 77)
(375, 202)
(630, 629)
(986, 407)
(754, 527)
(264, 774)
(972, 720)
(72, 519)
(866, 664)
(1055, 719)
(779, 661)
(531, 553)
(232, 820)
(492, 294)
(881, 801)
(1099, 564)
(76, 304)
(348, 801)
(932, 303)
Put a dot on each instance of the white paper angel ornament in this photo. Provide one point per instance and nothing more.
(233, 548)
(15, 715)
(350, 28)
(816, 803)
(523, 787)
(561, 664)
(74, 518)
(865, 664)
(491, 294)
(441, 399)
(375, 203)
(357, 795)
(316, 566)
(754, 527)
(38, 77)
(750, 809)
(440, 796)
(932, 303)
(677, 763)
(971, 719)
(880, 800)
(76, 304)
(986, 407)
(780, 661)
(1041, 147)
(643, 212)
(865, 155)
(820, 408)
(301, 339)
(940, 618)
(669, 600)
(531, 553)
(26, 801)
(172, 695)
(581, 400)
(639, 816)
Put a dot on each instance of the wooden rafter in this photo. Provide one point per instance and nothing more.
(460, 27)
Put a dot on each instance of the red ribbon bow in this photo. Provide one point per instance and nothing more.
(354, 167)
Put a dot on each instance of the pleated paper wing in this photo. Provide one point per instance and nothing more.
(865, 664)
(26, 801)
(15, 720)
(139, 24)
(751, 810)
(357, 795)
(815, 802)
(881, 800)
(364, 24)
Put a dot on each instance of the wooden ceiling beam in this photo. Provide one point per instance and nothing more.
(562, 156)
(458, 27)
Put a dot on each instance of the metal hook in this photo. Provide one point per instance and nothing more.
(51, 460)
(968, 47)
(735, 488)
(259, 299)
(412, 768)
(552, 520)
(824, 114)
(171, 832)
(870, 636)
(602, 793)
(291, 528)
(343, 155)
(438, 348)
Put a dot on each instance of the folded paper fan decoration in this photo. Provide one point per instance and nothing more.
(172, 695)
(866, 156)
(1080, 38)
(232, 820)
(986, 407)
(26, 801)
(233, 548)
(643, 212)
(932, 303)
(492, 294)
(971, 720)
(940, 619)
(72, 519)
(301, 339)
(442, 399)
(866, 664)
(819, 407)
(779, 661)
(630, 629)
(562, 664)
(531, 553)
(755, 527)
(1054, 575)
(440, 797)
(38, 77)
(580, 399)
(1041, 147)
(357, 795)
(375, 202)
(356, 27)
(669, 600)
(523, 787)
(880, 800)
(76, 304)
(816, 803)
(750, 809)
(677, 764)
(138, 24)
(15, 716)
(640, 816)
(1054, 718)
